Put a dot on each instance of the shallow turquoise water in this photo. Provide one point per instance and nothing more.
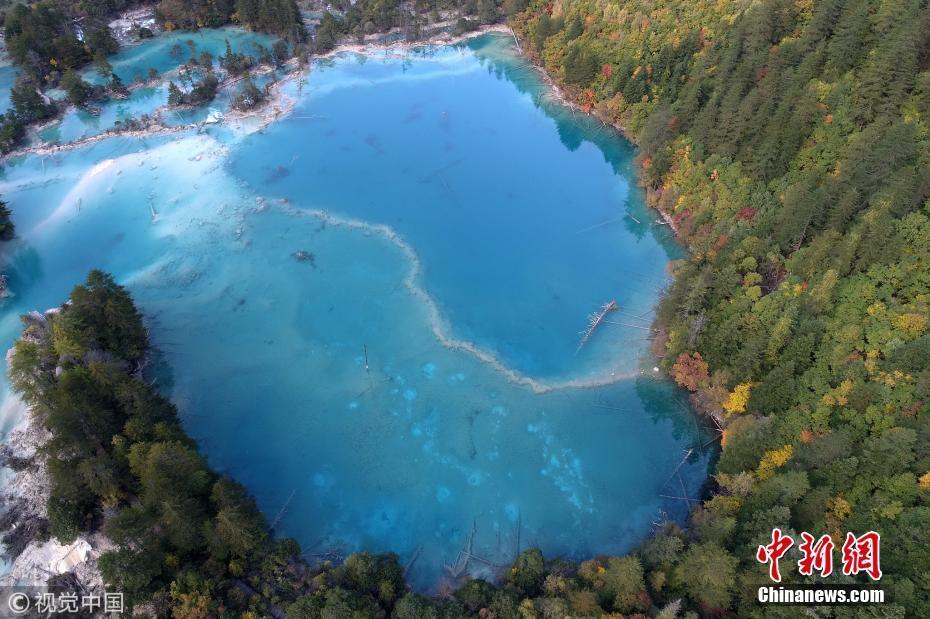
(78, 123)
(169, 51)
(462, 229)
(8, 74)
(165, 54)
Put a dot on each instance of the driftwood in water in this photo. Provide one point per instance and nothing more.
(595, 320)
(603, 223)
(413, 559)
(627, 324)
(688, 452)
(283, 509)
(457, 568)
(677, 473)
(519, 532)
(466, 555)
(679, 498)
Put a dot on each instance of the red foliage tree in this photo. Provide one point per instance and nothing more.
(690, 371)
(746, 213)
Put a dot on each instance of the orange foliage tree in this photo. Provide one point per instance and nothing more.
(690, 371)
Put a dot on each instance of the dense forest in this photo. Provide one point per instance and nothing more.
(280, 17)
(348, 18)
(49, 41)
(787, 143)
(49, 38)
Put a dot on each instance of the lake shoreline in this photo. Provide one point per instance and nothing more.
(279, 108)
(274, 107)
(562, 95)
(653, 201)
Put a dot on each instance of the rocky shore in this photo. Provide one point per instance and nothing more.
(125, 26)
(440, 35)
(35, 559)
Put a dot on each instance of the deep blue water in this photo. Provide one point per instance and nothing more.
(462, 228)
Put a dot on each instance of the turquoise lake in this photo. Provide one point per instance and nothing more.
(462, 227)
(8, 74)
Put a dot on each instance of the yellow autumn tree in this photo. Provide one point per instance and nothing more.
(838, 396)
(924, 481)
(736, 401)
(838, 510)
(912, 323)
(773, 459)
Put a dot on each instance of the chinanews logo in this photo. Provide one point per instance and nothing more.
(858, 555)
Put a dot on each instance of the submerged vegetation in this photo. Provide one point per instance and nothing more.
(7, 229)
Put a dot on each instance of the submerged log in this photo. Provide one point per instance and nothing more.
(413, 559)
(594, 321)
(283, 509)
(305, 256)
(457, 569)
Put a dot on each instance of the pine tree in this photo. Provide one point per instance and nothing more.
(28, 105)
(175, 96)
(575, 28)
(580, 64)
(78, 90)
(890, 72)
(7, 229)
(487, 11)
(848, 43)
